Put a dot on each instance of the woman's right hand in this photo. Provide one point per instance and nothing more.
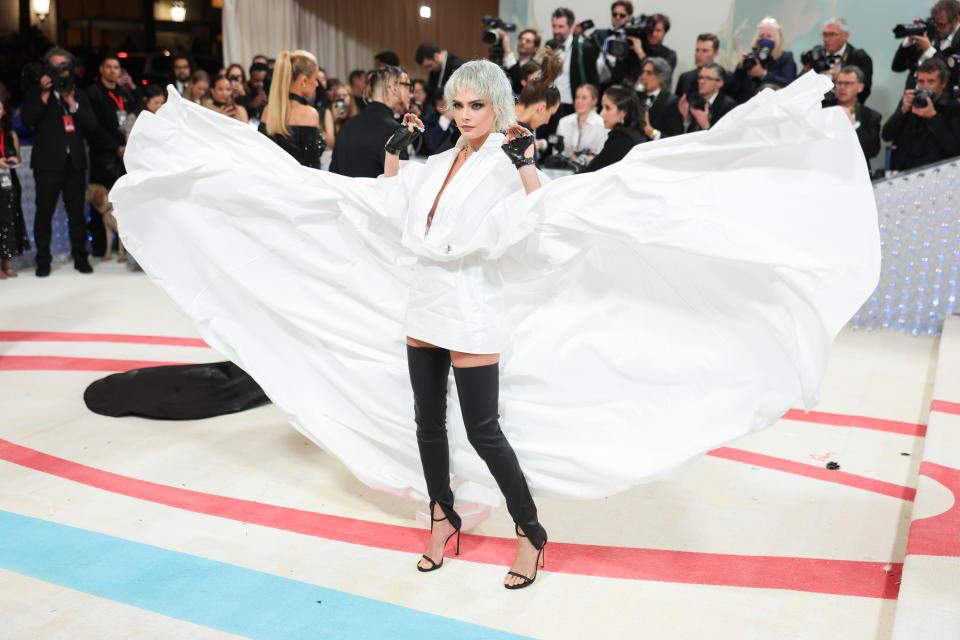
(410, 120)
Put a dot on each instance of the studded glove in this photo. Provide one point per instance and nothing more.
(515, 149)
(401, 139)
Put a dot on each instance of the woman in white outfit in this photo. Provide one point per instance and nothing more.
(455, 307)
(583, 130)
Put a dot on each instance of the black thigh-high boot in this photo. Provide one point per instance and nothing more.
(479, 391)
(429, 369)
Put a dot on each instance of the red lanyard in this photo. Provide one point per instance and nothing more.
(3, 146)
(119, 101)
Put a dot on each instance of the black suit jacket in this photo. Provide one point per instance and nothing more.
(359, 150)
(665, 116)
(906, 58)
(104, 164)
(920, 141)
(722, 105)
(660, 51)
(860, 58)
(435, 81)
(868, 133)
(687, 82)
(51, 140)
(619, 142)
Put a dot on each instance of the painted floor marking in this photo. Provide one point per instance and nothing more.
(213, 594)
(862, 422)
(841, 577)
(68, 336)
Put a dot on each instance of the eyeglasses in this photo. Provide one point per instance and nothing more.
(620, 15)
(845, 83)
(831, 34)
(234, 78)
(711, 79)
(408, 85)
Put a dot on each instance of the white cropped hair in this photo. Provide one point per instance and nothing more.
(488, 80)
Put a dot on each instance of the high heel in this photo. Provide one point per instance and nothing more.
(541, 561)
(436, 565)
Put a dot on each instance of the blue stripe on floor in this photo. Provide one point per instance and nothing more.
(209, 593)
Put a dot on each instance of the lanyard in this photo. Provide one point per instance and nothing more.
(119, 100)
(3, 146)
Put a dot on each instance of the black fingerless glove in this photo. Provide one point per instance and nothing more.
(401, 139)
(515, 149)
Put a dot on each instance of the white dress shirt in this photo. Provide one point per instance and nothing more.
(563, 80)
(590, 137)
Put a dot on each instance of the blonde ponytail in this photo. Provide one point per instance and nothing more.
(289, 67)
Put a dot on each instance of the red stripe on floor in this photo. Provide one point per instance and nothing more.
(65, 363)
(812, 471)
(942, 406)
(863, 422)
(840, 577)
(938, 535)
(64, 336)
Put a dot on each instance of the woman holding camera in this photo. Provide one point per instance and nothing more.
(288, 118)
(343, 106)
(766, 64)
(622, 115)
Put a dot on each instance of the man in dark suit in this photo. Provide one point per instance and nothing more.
(61, 117)
(110, 105)
(612, 69)
(528, 42)
(182, 68)
(915, 50)
(708, 46)
(359, 150)
(579, 57)
(662, 118)
(710, 81)
(866, 121)
(439, 64)
(841, 54)
(925, 133)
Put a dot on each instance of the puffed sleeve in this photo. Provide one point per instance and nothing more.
(399, 191)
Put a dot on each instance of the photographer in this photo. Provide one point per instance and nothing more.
(848, 86)
(703, 108)
(439, 64)
(925, 126)
(653, 46)
(939, 39)
(840, 53)
(111, 105)
(767, 63)
(579, 57)
(611, 69)
(359, 151)
(708, 46)
(61, 117)
(528, 42)
(661, 118)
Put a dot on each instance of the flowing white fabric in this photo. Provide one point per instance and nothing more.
(653, 310)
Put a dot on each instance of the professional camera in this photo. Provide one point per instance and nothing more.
(758, 55)
(922, 97)
(556, 159)
(818, 59)
(829, 99)
(61, 83)
(636, 27)
(926, 27)
(696, 101)
(491, 35)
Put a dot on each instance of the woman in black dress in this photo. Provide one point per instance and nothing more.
(623, 116)
(13, 232)
(288, 119)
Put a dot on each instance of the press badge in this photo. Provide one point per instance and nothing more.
(121, 117)
(68, 125)
(5, 181)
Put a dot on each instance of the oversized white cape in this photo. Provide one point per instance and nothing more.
(656, 309)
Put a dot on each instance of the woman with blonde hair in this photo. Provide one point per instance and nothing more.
(289, 119)
(767, 63)
(198, 88)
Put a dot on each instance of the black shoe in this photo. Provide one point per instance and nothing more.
(434, 564)
(82, 265)
(541, 559)
(43, 269)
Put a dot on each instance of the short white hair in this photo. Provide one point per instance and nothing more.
(485, 79)
(840, 22)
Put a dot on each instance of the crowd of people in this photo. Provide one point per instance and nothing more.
(591, 94)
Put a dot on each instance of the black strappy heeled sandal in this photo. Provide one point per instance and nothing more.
(541, 560)
(436, 565)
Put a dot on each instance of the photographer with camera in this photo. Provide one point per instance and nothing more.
(661, 117)
(936, 37)
(702, 109)
(708, 46)
(651, 46)
(615, 61)
(61, 118)
(848, 86)
(836, 53)
(359, 151)
(528, 42)
(439, 64)
(926, 126)
(766, 63)
(111, 105)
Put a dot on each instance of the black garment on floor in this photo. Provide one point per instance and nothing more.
(179, 392)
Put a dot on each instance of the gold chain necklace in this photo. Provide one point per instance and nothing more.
(469, 146)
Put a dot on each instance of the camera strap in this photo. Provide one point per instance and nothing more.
(583, 70)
